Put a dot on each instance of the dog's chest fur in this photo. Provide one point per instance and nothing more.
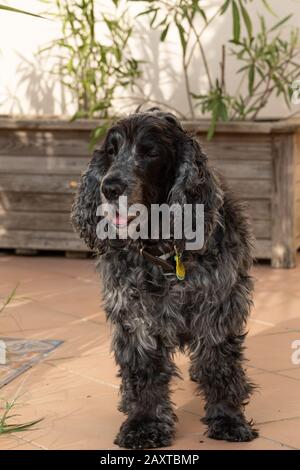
(143, 300)
(139, 298)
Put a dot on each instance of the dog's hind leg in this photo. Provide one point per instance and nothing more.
(217, 366)
(145, 374)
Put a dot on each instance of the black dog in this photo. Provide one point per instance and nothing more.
(149, 158)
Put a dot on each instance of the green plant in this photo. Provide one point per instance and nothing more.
(6, 409)
(93, 70)
(6, 415)
(268, 62)
(8, 299)
(17, 10)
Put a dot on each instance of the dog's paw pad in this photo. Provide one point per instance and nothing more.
(145, 434)
(231, 430)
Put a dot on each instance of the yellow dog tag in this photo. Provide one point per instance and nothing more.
(180, 269)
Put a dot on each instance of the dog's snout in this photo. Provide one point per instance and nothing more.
(113, 187)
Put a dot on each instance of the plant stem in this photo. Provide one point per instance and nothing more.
(149, 100)
(187, 87)
(202, 52)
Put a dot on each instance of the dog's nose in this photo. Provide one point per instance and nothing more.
(113, 187)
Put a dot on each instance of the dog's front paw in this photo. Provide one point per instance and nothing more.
(145, 433)
(231, 429)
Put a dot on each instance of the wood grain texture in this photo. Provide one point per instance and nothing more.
(259, 209)
(53, 221)
(297, 173)
(236, 127)
(244, 169)
(35, 202)
(43, 164)
(235, 147)
(283, 201)
(52, 240)
(38, 183)
(45, 240)
(251, 188)
(43, 143)
(60, 221)
(263, 249)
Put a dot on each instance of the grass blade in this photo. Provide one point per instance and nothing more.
(17, 10)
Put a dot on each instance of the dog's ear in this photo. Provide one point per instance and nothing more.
(84, 210)
(196, 183)
(169, 117)
(172, 119)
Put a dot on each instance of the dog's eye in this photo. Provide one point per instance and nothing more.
(110, 150)
(152, 155)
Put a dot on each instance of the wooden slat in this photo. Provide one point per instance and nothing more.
(35, 143)
(243, 169)
(262, 228)
(38, 183)
(263, 249)
(35, 202)
(246, 189)
(297, 187)
(297, 191)
(235, 147)
(46, 240)
(297, 147)
(297, 216)
(49, 240)
(283, 203)
(247, 127)
(49, 124)
(60, 221)
(53, 221)
(298, 227)
(259, 209)
(43, 164)
(251, 189)
(297, 173)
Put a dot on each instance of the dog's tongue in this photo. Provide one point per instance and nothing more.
(119, 220)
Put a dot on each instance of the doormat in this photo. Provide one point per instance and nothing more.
(21, 354)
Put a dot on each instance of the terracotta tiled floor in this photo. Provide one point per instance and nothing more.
(75, 389)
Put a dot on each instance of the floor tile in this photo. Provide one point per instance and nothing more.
(75, 389)
(286, 431)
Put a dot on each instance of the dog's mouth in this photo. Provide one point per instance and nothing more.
(120, 220)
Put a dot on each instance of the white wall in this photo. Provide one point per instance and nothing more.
(26, 87)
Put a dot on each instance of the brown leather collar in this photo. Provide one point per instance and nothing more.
(167, 266)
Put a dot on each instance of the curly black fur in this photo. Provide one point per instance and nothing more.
(153, 314)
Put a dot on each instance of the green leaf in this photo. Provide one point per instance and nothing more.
(267, 5)
(164, 33)
(225, 7)
(212, 127)
(9, 428)
(17, 10)
(251, 79)
(196, 8)
(182, 37)
(147, 12)
(281, 22)
(246, 18)
(236, 22)
(223, 112)
(153, 18)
